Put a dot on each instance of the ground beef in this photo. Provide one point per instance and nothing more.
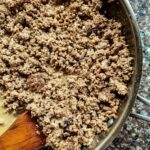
(65, 63)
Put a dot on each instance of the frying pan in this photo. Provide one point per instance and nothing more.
(121, 11)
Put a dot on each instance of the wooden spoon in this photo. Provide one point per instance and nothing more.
(22, 135)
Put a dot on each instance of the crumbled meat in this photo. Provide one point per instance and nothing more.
(65, 63)
(36, 82)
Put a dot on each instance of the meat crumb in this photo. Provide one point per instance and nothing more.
(66, 64)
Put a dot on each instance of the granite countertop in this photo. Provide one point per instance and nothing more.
(135, 134)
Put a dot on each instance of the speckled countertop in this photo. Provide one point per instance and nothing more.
(135, 134)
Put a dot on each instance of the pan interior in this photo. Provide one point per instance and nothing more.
(118, 10)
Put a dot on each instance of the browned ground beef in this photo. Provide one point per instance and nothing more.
(65, 63)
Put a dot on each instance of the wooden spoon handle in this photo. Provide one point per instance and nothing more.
(22, 135)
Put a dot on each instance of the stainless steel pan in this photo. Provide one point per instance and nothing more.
(121, 10)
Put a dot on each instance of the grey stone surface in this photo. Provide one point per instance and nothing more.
(135, 135)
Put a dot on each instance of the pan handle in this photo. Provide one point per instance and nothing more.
(139, 116)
